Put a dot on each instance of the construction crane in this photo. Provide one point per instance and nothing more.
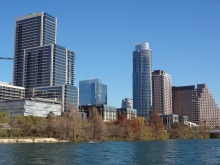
(6, 58)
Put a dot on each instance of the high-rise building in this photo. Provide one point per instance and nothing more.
(198, 104)
(33, 30)
(45, 69)
(162, 92)
(142, 79)
(209, 111)
(127, 103)
(47, 66)
(185, 102)
(92, 91)
(104, 94)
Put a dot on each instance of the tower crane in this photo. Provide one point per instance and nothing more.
(6, 58)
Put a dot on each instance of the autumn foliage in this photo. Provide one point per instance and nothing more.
(71, 127)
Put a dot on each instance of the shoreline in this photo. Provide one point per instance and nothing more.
(30, 140)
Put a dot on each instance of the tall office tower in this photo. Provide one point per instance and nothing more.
(36, 29)
(142, 79)
(209, 111)
(185, 102)
(92, 91)
(127, 103)
(162, 92)
(48, 66)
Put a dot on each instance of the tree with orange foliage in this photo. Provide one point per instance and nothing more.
(156, 124)
(121, 118)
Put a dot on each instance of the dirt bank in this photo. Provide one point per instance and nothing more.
(30, 140)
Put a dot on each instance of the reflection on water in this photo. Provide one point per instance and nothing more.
(147, 152)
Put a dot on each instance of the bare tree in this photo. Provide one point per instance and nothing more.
(97, 125)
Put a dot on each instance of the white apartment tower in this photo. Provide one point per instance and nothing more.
(127, 103)
(162, 92)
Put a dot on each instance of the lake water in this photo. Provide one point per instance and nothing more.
(181, 152)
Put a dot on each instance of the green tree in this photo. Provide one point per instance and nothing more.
(4, 117)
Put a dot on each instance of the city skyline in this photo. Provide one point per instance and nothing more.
(184, 42)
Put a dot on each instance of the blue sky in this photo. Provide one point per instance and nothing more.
(184, 36)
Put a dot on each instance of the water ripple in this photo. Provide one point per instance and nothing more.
(109, 153)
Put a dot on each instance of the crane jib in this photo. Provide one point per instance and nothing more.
(6, 58)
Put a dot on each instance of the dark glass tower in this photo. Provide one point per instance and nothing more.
(36, 29)
(48, 66)
(142, 79)
(45, 69)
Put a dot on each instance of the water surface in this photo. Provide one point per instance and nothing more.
(176, 152)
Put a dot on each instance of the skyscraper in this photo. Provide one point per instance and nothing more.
(48, 66)
(209, 111)
(162, 92)
(45, 69)
(185, 102)
(92, 91)
(33, 30)
(142, 79)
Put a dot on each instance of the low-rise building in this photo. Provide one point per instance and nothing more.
(39, 107)
(107, 112)
(183, 120)
(11, 92)
(128, 112)
(169, 119)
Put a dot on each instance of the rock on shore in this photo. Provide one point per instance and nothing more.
(29, 140)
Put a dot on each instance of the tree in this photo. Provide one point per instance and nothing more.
(4, 117)
(121, 118)
(75, 126)
(97, 125)
(157, 125)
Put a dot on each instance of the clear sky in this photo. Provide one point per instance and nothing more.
(184, 37)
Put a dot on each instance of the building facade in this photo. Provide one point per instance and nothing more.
(48, 66)
(162, 92)
(169, 119)
(127, 103)
(185, 102)
(142, 79)
(35, 29)
(127, 112)
(66, 94)
(40, 65)
(107, 112)
(209, 111)
(11, 92)
(92, 91)
(40, 108)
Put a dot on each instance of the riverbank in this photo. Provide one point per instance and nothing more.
(30, 140)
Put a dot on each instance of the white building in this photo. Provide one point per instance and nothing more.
(11, 92)
(127, 103)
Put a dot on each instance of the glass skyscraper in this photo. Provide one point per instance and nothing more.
(47, 66)
(92, 91)
(142, 79)
(35, 29)
(45, 69)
